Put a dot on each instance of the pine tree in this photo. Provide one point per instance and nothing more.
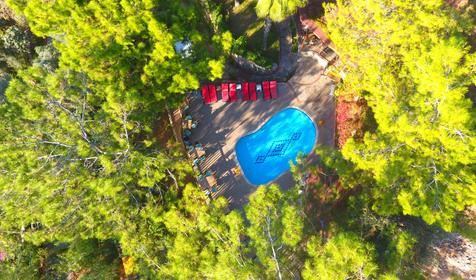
(411, 62)
(276, 229)
(275, 11)
(78, 160)
(127, 48)
(344, 256)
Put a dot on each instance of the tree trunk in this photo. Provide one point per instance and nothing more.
(171, 122)
(267, 28)
(208, 15)
(274, 251)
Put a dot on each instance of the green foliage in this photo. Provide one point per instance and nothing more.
(344, 256)
(22, 260)
(127, 48)
(71, 169)
(76, 165)
(399, 250)
(191, 240)
(243, 47)
(423, 153)
(47, 57)
(92, 258)
(278, 10)
(276, 226)
(214, 11)
(333, 161)
(400, 241)
(239, 45)
(83, 183)
(200, 241)
(14, 40)
(78, 162)
(249, 33)
(226, 41)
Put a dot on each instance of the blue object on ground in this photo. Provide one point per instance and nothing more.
(265, 154)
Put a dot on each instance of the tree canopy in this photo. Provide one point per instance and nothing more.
(343, 257)
(277, 10)
(88, 192)
(78, 159)
(127, 47)
(411, 62)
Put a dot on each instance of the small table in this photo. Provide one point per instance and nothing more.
(236, 171)
(211, 180)
(200, 152)
(208, 182)
(187, 124)
(196, 153)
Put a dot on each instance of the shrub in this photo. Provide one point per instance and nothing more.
(350, 118)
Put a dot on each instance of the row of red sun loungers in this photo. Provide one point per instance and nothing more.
(248, 92)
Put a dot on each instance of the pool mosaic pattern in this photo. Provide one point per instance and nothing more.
(278, 148)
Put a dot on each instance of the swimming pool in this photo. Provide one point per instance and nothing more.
(265, 154)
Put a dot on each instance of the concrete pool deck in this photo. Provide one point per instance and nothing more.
(221, 125)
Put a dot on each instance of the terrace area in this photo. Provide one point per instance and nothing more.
(222, 124)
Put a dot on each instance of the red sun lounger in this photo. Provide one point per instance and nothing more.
(233, 96)
(273, 86)
(252, 91)
(224, 93)
(267, 94)
(244, 91)
(213, 93)
(205, 96)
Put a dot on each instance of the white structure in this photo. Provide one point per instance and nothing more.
(184, 48)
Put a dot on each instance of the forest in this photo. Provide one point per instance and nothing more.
(89, 192)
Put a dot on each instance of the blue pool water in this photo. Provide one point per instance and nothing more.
(265, 154)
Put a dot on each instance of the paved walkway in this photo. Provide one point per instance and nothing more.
(222, 124)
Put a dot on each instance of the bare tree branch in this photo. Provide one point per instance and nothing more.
(271, 242)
